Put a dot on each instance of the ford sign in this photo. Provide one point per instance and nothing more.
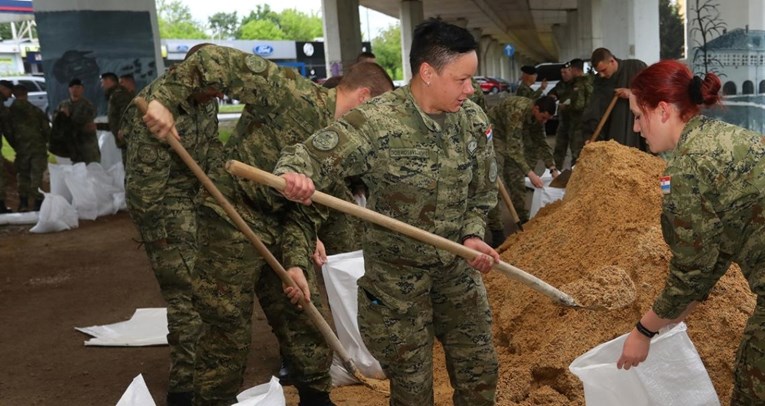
(263, 50)
(182, 48)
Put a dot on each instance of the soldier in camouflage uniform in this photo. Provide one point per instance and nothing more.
(425, 152)
(714, 196)
(81, 112)
(581, 90)
(32, 131)
(118, 98)
(6, 87)
(528, 78)
(519, 139)
(282, 108)
(562, 94)
(161, 193)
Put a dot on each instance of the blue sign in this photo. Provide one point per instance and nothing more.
(263, 50)
(182, 48)
(509, 51)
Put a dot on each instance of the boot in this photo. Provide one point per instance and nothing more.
(284, 374)
(3, 208)
(38, 204)
(23, 203)
(180, 398)
(497, 238)
(313, 397)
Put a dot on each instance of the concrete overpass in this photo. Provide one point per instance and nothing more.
(539, 30)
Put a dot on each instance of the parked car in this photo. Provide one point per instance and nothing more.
(550, 72)
(490, 85)
(38, 95)
(504, 85)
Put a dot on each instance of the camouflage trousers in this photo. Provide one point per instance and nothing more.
(30, 168)
(516, 188)
(577, 143)
(400, 337)
(173, 266)
(341, 233)
(749, 375)
(562, 140)
(85, 148)
(228, 275)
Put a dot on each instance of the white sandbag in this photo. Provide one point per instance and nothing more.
(104, 189)
(267, 394)
(56, 214)
(110, 153)
(81, 188)
(673, 374)
(117, 173)
(146, 327)
(137, 394)
(58, 173)
(16, 219)
(340, 275)
(544, 196)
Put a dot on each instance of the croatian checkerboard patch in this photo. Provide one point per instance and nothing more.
(666, 184)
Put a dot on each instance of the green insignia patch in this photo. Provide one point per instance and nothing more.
(256, 64)
(325, 140)
(472, 145)
(493, 171)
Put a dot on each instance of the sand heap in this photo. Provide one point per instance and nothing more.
(609, 218)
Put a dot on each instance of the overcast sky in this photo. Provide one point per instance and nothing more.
(371, 21)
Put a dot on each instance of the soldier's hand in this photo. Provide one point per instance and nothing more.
(319, 256)
(298, 188)
(535, 179)
(623, 92)
(543, 86)
(634, 351)
(160, 121)
(64, 110)
(488, 256)
(302, 291)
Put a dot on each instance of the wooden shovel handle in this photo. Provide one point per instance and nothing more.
(603, 119)
(249, 172)
(508, 202)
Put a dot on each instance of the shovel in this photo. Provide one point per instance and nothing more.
(309, 307)
(509, 203)
(248, 172)
(561, 181)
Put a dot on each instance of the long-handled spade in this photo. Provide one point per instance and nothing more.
(509, 203)
(242, 170)
(308, 306)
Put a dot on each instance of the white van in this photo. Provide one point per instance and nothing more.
(38, 95)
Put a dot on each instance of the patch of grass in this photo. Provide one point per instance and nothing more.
(231, 108)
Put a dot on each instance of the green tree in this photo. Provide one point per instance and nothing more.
(223, 25)
(261, 12)
(175, 21)
(671, 30)
(260, 29)
(387, 49)
(300, 26)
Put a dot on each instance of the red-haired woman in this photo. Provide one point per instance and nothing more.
(713, 211)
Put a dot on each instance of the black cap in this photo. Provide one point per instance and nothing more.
(575, 63)
(529, 70)
(75, 82)
(7, 83)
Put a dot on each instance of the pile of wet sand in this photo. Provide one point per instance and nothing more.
(607, 222)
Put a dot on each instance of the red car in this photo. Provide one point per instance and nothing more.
(492, 85)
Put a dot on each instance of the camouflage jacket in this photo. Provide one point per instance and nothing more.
(525, 90)
(30, 127)
(81, 112)
(438, 177)
(714, 196)
(518, 137)
(155, 174)
(119, 99)
(580, 97)
(477, 97)
(562, 92)
(282, 108)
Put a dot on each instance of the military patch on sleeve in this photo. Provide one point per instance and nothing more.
(472, 146)
(489, 133)
(325, 140)
(147, 154)
(493, 171)
(666, 184)
(256, 64)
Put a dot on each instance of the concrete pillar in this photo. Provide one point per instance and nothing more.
(590, 36)
(574, 49)
(562, 40)
(411, 14)
(631, 30)
(476, 33)
(342, 34)
(483, 57)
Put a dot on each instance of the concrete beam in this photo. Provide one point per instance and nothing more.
(342, 34)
